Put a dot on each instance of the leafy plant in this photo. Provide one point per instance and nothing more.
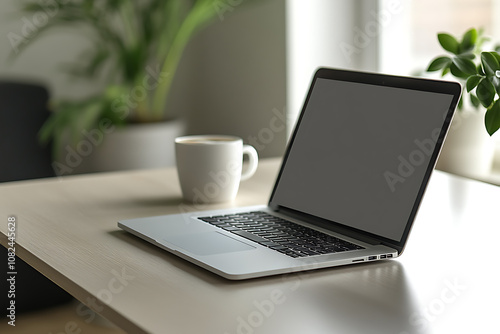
(136, 45)
(479, 70)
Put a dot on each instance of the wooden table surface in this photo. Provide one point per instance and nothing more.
(445, 282)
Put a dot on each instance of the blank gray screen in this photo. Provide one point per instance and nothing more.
(360, 154)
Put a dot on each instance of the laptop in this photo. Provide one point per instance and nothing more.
(350, 183)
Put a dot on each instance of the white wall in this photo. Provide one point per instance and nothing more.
(320, 33)
(239, 81)
(342, 34)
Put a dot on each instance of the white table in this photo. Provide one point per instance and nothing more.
(445, 282)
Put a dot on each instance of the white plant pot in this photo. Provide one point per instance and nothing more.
(468, 149)
(134, 146)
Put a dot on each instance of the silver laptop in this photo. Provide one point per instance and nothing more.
(348, 190)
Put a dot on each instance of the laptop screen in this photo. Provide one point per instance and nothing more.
(360, 154)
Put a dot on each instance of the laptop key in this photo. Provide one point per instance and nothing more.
(264, 235)
(292, 254)
(269, 244)
(279, 248)
(218, 223)
(230, 228)
(209, 219)
(249, 236)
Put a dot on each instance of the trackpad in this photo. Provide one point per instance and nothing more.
(208, 243)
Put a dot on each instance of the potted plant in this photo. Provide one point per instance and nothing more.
(468, 150)
(138, 46)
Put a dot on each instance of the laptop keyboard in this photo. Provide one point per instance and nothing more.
(279, 234)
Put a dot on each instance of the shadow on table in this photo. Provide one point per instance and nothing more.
(364, 298)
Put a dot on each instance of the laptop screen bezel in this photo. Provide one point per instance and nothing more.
(421, 84)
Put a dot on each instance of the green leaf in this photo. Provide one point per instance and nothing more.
(496, 55)
(480, 71)
(475, 101)
(457, 72)
(448, 42)
(89, 116)
(468, 55)
(492, 118)
(485, 92)
(495, 81)
(490, 63)
(465, 65)
(439, 63)
(446, 70)
(468, 41)
(472, 82)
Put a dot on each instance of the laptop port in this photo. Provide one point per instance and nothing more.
(358, 260)
(374, 257)
(389, 255)
(383, 256)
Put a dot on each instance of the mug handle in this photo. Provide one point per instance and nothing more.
(252, 162)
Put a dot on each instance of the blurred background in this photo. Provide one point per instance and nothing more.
(253, 61)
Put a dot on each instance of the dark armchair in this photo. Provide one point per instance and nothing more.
(23, 110)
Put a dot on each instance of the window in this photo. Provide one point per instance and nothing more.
(414, 40)
(389, 36)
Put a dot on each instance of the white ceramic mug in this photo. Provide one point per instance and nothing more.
(210, 167)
